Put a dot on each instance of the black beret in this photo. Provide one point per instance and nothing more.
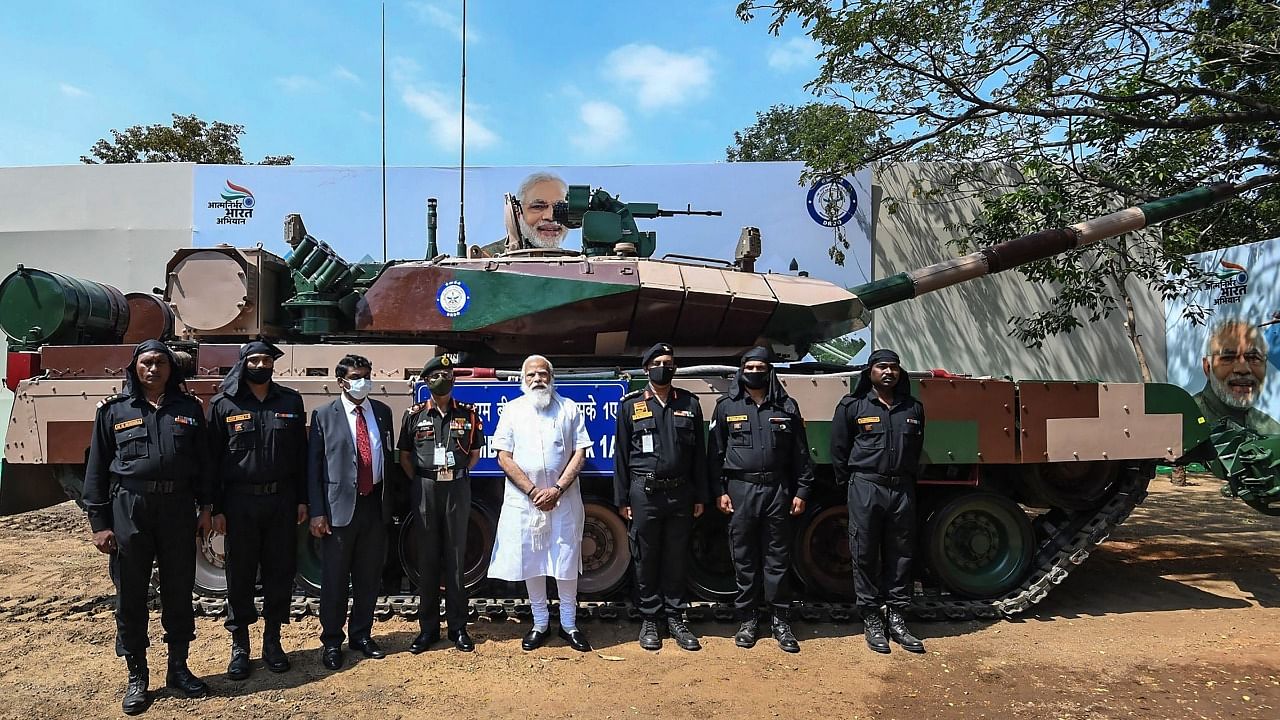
(757, 353)
(655, 351)
(439, 362)
(884, 355)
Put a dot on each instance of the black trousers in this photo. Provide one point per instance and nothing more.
(760, 530)
(161, 529)
(882, 535)
(444, 511)
(660, 526)
(261, 536)
(352, 567)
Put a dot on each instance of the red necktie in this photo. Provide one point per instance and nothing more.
(364, 455)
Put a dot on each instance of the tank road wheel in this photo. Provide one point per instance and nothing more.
(710, 564)
(822, 557)
(980, 544)
(606, 552)
(310, 562)
(481, 531)
(1070, 485)
(211, 565)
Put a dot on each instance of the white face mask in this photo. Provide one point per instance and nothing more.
(359, 388)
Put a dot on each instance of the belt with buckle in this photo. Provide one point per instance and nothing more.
(157, 487)
(255, 488)
(757, 478)
(881, 479)
(653, 483)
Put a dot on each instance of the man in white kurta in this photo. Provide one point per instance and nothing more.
(541, 441)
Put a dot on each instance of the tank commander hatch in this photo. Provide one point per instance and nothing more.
(529, 219)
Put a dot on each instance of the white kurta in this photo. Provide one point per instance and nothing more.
(530, 542)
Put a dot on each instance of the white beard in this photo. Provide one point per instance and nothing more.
(531, 236)
(1229, 398)
(540, 397)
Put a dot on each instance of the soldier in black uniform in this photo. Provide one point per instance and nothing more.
(758, 450)
(440, 441)
(147, 474)
(876, 437)
(258, 441)
(660, 485)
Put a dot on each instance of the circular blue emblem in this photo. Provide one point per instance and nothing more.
(832, 202)
(247, 201)
(452, 298)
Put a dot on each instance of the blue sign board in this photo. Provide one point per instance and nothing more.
(598, 402)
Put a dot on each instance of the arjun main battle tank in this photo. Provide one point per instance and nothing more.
(1021, 479)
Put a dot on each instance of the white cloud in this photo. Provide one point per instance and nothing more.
(793, 54)
(342, 73)
(441, 115)
(605, 126)
(403, 69)
(660, 78)
(368, 117)
(72, 91)
(297, 83)
(432, 14)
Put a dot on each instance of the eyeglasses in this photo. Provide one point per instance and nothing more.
(437, 374)
(1230, 357)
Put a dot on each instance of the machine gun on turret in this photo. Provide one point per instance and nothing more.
(606, 221)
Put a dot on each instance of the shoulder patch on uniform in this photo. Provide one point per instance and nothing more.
(633, 394)
(111, 399)
(127, 424)
(847, 400)
(417, 408)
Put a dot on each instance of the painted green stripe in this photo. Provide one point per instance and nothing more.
(497, 297)
(885, 291)
(1181, 204)
(1163, 399)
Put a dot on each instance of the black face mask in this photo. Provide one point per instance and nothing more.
(661, 375)
(755, 380)
(440, 386)
(258, 376)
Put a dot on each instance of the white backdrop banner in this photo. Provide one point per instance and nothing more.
(1246, 306)
(244, 205)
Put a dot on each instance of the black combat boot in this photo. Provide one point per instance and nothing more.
(649, 637)
(875, 631)
(239, 668)
(136, 697)
(681, 633)
(899, 632)
(272, 654)
(179, 677)
(782, 633)
(746, 636)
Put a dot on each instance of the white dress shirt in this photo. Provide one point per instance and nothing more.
(375, 436)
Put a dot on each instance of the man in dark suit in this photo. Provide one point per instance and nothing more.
(350, 471)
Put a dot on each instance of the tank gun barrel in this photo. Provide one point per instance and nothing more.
(1047, 243)
(689, 211)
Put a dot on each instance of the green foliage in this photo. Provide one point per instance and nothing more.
(189, 139)
(1090, 106)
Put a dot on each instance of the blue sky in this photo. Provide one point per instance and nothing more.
(547, 83)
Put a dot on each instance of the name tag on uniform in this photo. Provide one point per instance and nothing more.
(127, 424)
(735, 418)
(641, 411)
(866, 420)
(238, 418)
(646, 443)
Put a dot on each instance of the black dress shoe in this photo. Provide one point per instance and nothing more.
(534, 639)
(332, 657)
(875, 631)
(369, 647)
(576, 639)
(462, 640)
(273, 655)
(425, 639)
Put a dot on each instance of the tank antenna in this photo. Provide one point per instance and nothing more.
(384, 131)
(462, 149)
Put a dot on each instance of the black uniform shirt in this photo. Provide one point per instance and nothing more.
(135, 441)
(674, 446)
(427, 425)
(259, 441)
(770, 437)
(867, 436)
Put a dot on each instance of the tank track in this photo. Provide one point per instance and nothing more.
(1067, 540)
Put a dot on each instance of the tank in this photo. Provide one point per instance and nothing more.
(1021, 479)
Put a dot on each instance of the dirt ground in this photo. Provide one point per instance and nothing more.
(1177, 616)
